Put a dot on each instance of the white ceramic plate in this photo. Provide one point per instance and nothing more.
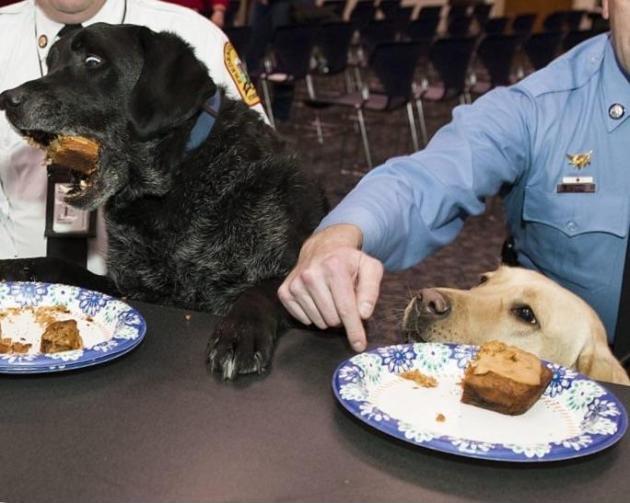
(575, 416)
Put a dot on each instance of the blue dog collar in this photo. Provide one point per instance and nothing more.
(205, 122)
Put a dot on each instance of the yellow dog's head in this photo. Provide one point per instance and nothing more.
(522, 308)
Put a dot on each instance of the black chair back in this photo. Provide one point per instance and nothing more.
(497, 52)
(240, 37)
(575, 37)
(495, 25)
(481, 12)
(402, 15)
(362, 14)
(422, 29)
(598, 23)
(556, 21)
(333, 41)
(394, 64)
(461, 10)
(390, 8)
(336, 6)
(230, 13)
(542, 48)
(523, 24)
(451, 58)
(292, 47)
(459, 26)
(574, 19)
(378, 32)
(430, 12)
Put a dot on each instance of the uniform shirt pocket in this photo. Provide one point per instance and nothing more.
(578, 237)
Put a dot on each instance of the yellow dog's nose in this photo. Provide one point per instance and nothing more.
(430, 303)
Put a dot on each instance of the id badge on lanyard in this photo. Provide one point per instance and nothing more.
(63, 220)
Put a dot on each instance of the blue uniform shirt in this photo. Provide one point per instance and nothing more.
(515, 141)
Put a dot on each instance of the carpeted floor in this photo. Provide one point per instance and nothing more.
(339, 163)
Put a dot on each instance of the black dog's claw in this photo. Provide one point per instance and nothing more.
(238, 348)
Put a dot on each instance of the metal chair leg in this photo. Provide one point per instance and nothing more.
(423, 123)
(318, 128)
(366, 143)
(267, 99)
(357, 77)
(412, 127)
(348, 81)
(310, 86)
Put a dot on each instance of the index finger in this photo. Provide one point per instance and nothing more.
(342, 289)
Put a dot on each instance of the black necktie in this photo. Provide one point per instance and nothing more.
(72, 246)
(622, 333)
(68, 28)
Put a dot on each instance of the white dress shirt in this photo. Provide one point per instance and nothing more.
(23, 179)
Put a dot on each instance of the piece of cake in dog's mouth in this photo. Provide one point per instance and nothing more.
(75, 152)
(78, 154)
(504, 379)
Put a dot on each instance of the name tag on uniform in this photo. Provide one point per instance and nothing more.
(61, 218)
(573, 184)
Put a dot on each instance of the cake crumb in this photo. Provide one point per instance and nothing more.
(419, 378)
(440, 418)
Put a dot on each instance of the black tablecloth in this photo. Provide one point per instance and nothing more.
(153, 426)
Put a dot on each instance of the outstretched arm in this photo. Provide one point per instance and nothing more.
(406, 209)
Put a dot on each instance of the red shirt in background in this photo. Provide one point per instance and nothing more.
(202, 6)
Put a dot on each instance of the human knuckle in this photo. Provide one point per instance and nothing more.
(309, 276)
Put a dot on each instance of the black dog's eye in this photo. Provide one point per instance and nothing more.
(526, 314)
(92, 61)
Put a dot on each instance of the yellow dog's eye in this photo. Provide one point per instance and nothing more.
(526, 314)
(483, 278)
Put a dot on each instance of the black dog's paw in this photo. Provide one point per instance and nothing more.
(240, 347)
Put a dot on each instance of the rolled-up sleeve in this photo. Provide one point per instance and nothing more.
(410, 206)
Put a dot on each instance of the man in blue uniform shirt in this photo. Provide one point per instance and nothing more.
(559, 141)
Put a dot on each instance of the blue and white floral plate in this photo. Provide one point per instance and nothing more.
(109, 327)
(574, 417)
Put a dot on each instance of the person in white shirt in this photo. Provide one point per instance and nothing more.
(27, 31)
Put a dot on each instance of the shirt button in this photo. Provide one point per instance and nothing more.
(572, 226)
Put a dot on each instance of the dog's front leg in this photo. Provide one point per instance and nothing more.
(244, 340)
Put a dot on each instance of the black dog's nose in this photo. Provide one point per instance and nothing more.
(432, 303)
(11, 99)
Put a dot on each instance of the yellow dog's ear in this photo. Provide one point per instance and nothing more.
(597, 361)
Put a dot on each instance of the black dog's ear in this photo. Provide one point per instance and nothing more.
(172, 86)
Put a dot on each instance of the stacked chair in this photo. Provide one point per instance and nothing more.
(403, 64)
(291, 47)
(393, 65)
(451, 58)
(240, 37)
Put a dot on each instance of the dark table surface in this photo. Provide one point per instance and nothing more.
(153, 426)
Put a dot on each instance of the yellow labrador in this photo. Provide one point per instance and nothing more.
(522, 308)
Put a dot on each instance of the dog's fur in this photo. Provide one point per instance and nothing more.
(522, 308)
(214, 229)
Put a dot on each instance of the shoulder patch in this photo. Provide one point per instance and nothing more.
(235, 68)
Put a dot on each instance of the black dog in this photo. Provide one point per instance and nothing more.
(212, 229)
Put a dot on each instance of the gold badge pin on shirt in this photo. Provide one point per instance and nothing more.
(42, 41)
(581, 160)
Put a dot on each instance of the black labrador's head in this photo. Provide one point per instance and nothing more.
(124, 86)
